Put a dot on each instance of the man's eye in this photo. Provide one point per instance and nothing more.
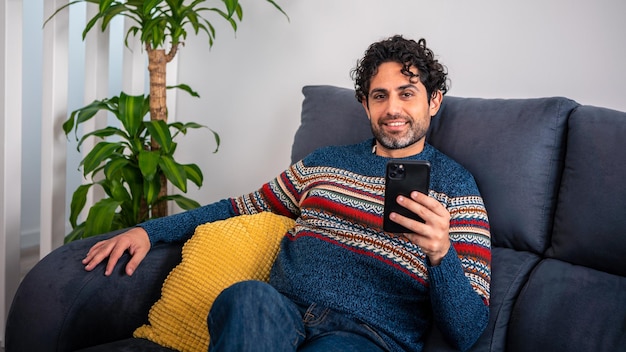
(379, 96)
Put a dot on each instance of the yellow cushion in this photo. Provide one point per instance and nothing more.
(218, 255)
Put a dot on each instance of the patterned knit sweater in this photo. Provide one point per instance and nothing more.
(338, 256)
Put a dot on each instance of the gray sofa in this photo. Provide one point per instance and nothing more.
(553, 176)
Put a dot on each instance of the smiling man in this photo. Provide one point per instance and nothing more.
(341, 283)
(399, 111)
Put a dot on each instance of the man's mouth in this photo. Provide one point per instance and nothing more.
(395, 125)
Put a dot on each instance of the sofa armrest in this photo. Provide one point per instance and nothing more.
(61, 307)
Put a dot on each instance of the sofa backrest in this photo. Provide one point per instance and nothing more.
(330, 116)
(514, 148)
(590, 221)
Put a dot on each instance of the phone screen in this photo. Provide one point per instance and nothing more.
(401, 178)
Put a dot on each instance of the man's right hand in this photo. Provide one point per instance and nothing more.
(135, 241)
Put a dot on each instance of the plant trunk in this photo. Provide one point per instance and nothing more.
(157, 62)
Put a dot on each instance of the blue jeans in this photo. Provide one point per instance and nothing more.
(253, 316)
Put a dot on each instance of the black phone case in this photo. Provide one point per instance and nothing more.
(401, 178)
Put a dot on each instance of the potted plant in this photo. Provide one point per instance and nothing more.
(131, 169)
(136, 169)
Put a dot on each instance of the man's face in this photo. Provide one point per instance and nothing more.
(399, 111)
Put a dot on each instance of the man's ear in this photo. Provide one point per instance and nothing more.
(366, 107)
(435, 102)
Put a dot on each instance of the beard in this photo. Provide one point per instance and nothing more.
(398, 140)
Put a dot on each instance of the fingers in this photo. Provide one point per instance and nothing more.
(427, 208)
(110, 248)
(137, 257)
(97, 253)
(116, 252)
(135, 241)
(433, 235)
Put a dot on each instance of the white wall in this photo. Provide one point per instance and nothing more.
(250, 82)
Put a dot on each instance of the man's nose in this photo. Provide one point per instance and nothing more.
(394, 106)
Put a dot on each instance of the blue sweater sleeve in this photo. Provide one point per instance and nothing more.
(272, 196)
(180, 227)
(459, 312)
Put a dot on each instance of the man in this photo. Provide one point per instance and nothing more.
(340, 283)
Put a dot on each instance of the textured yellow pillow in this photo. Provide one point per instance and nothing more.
(218, 255)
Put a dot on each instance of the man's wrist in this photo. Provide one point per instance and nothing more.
(435, 260)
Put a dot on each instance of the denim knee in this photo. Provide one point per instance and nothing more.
(253, 316)
(245, 292)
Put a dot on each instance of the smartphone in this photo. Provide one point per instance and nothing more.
(401, 178)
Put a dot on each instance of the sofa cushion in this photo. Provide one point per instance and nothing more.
(330, 116)
(218, 255)
(565, 307)
(510, 271)
(128, 345)
(515, 150)
(591, 214)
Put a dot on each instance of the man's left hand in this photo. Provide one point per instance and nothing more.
(433, 235)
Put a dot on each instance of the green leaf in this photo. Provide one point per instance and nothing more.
(209, 30)
(278, 8)
(134, 180)
(118, 191)
(161, 133)
(183, 202)
(87, 112)
(103, 133)
(239, 11)
(194, 174)
(68, 125)
(92, 22)
(217, 140)
(61, 9)
(105, 4)
(98, 154)
(231, 6)
(174, 172)
(148, 163)
(131, 112)
(113, 169)
(76, 234)
(148, 6)
(135, 183)
(186, 88)
(227, 17)
(79, 199)
(110, 13)
(183, 127)
(151, 190)
(100, 218)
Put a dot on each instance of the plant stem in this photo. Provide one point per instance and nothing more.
(157, 63)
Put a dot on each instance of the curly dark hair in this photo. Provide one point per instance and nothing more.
(406, 52)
